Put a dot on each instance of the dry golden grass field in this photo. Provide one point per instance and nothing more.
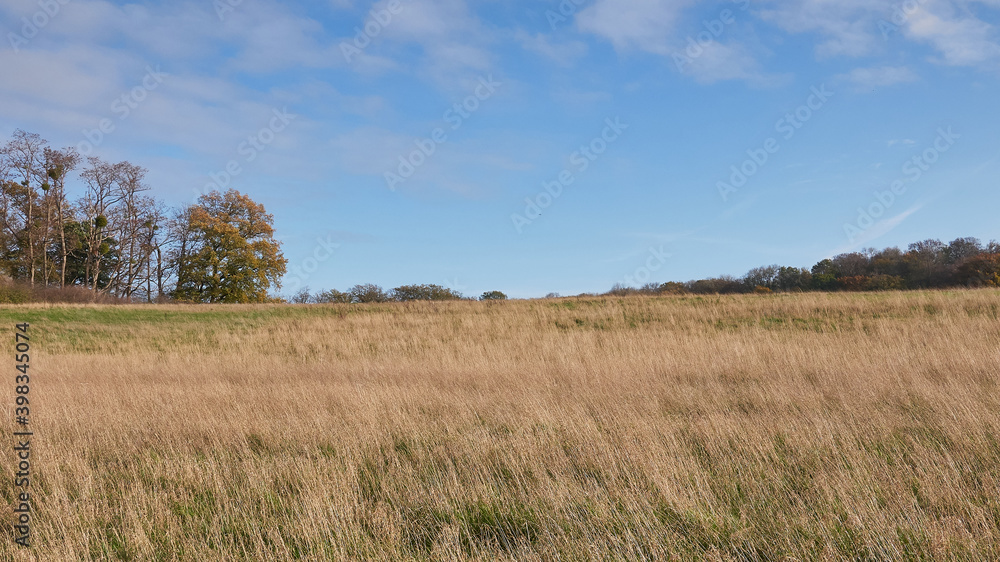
(785, 427)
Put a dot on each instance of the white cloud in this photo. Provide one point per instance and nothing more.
(718, 62)
(857, 28)
(577, 98)
(878, 230)
(867, 79)
(848, 27)
(564, 54)
(453, 42)
(961, 38)
(646, 25)
(652, 26)
(71, 78)
(272, 40)
(370, 151)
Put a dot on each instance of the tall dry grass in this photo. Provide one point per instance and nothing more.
(814, 426)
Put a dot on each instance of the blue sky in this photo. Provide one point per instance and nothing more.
(640, 116)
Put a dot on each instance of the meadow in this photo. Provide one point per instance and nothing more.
(775, 427)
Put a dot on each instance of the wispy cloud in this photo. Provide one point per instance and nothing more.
(645, 25)
(562, 53)
(718, 62)
(847, 27)
(877, 231)
(453, 45)
(871, 78)
(961, 38)
(857, 28)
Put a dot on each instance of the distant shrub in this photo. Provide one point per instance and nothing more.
(493, 296)
(762, 290)
(672, 288)
(981, 271)
(719, 285)
(766, 276)
(368, 293)
(854, 283)
(301, 297)
(11, 294)
(824, 281)
(618, 290)
(332, 296)
(424, 293)
(650, 289)
(16, 292)
(793, 279)
(885, 283)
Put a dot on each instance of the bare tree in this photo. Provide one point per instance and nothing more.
(127, 221)
(58, 165)
(8, 229)
(101, 196)
(185, 242)
(157, 236)
(26, 158)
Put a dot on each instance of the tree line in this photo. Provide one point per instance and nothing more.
(930, 264)
(116, 240)
(371, 293)
(964, 262)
